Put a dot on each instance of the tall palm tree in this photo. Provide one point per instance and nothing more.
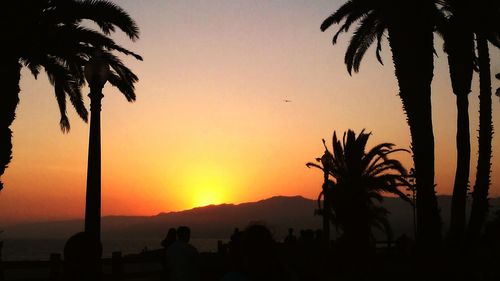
(461, 21)
(409, 25)
(356, 178)
(49, 34)
(458, 36)
(487, 29)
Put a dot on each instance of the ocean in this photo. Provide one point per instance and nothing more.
(31, 249)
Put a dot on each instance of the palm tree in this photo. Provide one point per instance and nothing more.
(458, 36)
(410, 26)
(48, 34)
(487, 29)
(357, 177)
(461, 21)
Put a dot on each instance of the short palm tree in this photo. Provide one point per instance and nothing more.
(49, 35)
(357, 178)
(409, 26)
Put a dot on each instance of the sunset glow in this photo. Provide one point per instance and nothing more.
(208, 187)
(210, 124)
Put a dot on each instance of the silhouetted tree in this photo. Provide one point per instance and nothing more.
(461, 20)
(457, 32)
(410, 25)
(49, 34)
(357, 177)
(486, 17)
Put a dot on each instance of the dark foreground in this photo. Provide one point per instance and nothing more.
(295, 263)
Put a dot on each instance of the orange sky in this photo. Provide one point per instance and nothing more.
(210, 125)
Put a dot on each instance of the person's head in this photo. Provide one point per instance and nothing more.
(172, 234)
(183, 233)
(258, 253)
(290, 231)
(170, 237)
(82, 252)
(258, 240)
(82, 247)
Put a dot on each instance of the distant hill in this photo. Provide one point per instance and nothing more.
(219, 221)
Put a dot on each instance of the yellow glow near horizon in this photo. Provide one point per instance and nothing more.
(207, 186)
(205, 197)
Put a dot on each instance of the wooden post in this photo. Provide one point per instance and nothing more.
(116, 266)
(55, 266)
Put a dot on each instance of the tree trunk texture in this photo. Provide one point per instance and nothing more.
(459, 42)
(480, 205)
(411, 41)
(10, 74)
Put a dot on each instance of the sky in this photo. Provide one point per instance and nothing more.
(210, 124)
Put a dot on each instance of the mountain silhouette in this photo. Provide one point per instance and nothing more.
(218, 221)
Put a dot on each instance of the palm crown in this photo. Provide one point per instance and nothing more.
(49, 34)
(373, 18)
(356, 177)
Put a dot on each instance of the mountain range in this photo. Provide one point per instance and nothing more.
(219, 221)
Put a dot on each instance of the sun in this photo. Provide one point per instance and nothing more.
(209, 187)
(205, 197)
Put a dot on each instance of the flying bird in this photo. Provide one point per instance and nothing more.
(287, 100)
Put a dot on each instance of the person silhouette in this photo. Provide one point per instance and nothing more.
(290, 239)
(236, 234)
(170, 238)
(259, 260)
(182, 259)
(82, 255)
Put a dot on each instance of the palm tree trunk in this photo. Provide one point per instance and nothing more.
(326, 216)
(460, 49)
(428, 218)
(10, 74)
(412, 51)
(480, 204)
(459, 198)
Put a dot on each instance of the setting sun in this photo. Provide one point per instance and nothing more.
(207, 186)
(206, 197)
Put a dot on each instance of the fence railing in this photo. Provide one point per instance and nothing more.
(116, 268)
(145, 266)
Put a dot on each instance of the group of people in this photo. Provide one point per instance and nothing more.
(181, 258)
(251, 255)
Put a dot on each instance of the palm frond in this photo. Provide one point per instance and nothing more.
(105, 14)
(379, 30)
(363, 37)
(345, 10)
(357, 180)
(56, 71)
(61, 101)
